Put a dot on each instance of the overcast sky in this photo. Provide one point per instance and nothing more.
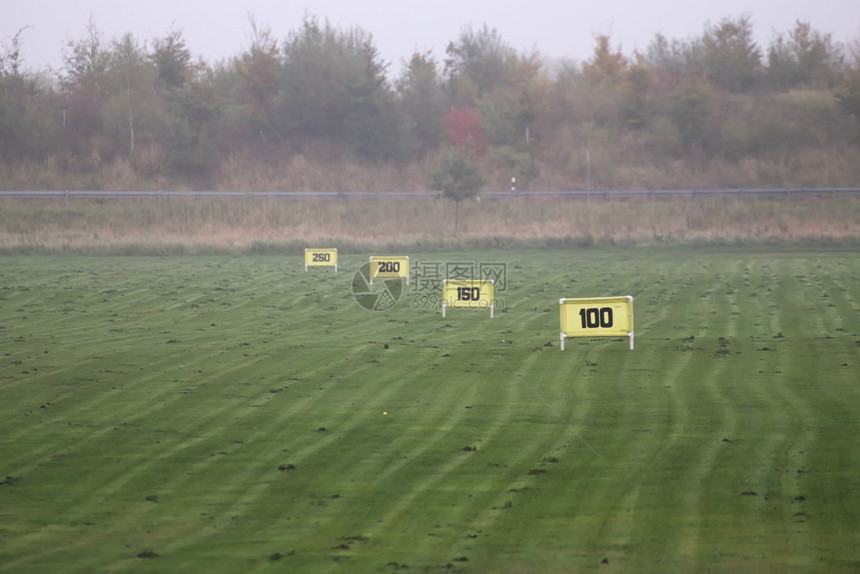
(218, 29)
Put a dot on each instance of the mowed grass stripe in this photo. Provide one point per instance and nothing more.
(497, 471)
(78, 382)
(438, 463)
(814, 378)
(444, 470)
(340, 429)
(650, 463)
(123, 477)
(129, 404)
(315, 406)
(500, 471)
(446, 435)
(145, 413)
(282, 466)
(767, 429)
(704, 415)
(230, 367)
(577, 465)
(712, 485)
(658, 421)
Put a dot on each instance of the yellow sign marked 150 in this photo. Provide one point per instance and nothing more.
(468, 293)
(389, 267)
(326, 257)
(596, 317)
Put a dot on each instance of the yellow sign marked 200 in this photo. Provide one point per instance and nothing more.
(389, 267)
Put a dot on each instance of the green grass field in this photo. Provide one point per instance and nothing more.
(225, 414)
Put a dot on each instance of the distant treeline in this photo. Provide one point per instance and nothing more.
(319, 110)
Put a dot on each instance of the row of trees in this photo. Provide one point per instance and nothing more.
(324, 90)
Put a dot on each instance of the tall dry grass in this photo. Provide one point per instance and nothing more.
(304, 172)
(188, 225)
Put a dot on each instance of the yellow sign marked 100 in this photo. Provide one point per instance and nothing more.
(468, 293)
(596, 317)
(389, 267)
(326, 257)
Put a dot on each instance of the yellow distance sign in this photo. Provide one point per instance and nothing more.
(389, 267)
(467, 293)
(596, 317)
(324, 257)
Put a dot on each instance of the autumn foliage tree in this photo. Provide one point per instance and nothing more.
(608, 66)
(333, 89)
(732, 57)
(24, 125)
(463, 129)
(258, 69)
(803, 58)
(681, 112)
(422, 99)
(457, 174)
(480, 58)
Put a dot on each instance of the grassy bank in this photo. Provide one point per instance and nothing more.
(265, 225)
